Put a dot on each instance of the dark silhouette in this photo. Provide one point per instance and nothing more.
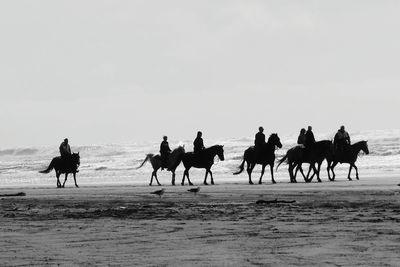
(164, 152)
(341, 141)
(266, 157)
(349, 156)
(315, 154)
(173, 162)
(64, 165)
(65, 149)
(259, 142)
(301, 140)
(198, 144)
(203, 160)
(194, 190)
(159, 192)
(310, 139)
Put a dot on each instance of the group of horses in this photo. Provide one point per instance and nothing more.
(295, 157)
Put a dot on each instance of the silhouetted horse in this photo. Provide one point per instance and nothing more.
(66, 166)
(173, 162)
(349, 156)
(267, 157)
(202, 160)
(316, 154)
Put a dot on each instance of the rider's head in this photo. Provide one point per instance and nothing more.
(302, 131)
(342, 128)
(199, 134)
(165, 138)
(309, 128)
(66, 140)
(261, 129)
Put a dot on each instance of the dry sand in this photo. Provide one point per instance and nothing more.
(333, 223)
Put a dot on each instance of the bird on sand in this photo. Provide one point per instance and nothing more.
(194, 190)
(158, 192)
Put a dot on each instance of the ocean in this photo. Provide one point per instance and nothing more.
(115, 164)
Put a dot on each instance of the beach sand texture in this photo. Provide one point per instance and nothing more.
(333, 223)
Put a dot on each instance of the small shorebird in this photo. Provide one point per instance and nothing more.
(158, 192)
(194, 190)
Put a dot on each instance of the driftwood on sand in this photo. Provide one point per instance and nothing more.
(275, 201)
(20, 194)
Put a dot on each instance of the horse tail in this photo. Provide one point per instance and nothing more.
(241, 168)
(51, 166)
(282, 160)
(148, 157)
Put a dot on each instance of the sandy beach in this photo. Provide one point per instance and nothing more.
(332, 223)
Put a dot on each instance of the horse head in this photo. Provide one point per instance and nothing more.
(364, 147)
(220, 152)
(275, 140)
(179, 150)
(76, 159)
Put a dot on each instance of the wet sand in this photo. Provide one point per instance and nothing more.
(332, 223)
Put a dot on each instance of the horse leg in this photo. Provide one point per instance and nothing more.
(271, 166)
(262, 174)
(309, 179)
(205, 178)
(155, 176)
(173, 177)
(295, 172)
(66, 176)
(151, 179)
(76, 185)
(328, 168)
(58, 179)
(212, 178)
(190, 183)
(348, 176)
(318, 171)
(250, 167)
(184, 175)
(293, 176)
(333, 171)
(355, 167)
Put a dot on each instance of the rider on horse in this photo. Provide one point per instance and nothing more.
(301, 140)
(164, 152)
(65, 149)
(341, 140)
(309, 141)
(198, 144)
(259, 142)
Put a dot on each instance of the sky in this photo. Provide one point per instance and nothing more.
(132, 71)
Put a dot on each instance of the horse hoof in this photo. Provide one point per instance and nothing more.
(259, 182)
(273, 182)
(77, 186)
(205, 183)
(182, 184)
(319, 181)
(250, 182)
(190, 184)
(173, 183)
(349, 179)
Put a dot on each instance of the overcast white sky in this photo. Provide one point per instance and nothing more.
(129, 71)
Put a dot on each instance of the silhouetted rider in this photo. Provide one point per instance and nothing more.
(341, 140)
(198, 144)
(164, 152)
(259, 142)
(301, 140)
(65, 149)
(310, 139)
